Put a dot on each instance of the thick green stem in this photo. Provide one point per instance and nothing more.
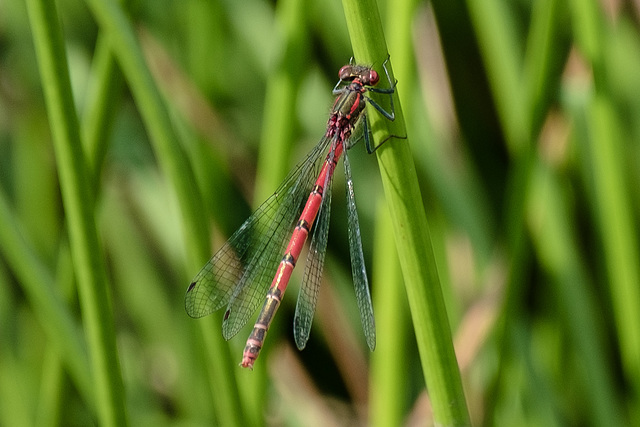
(411, 231)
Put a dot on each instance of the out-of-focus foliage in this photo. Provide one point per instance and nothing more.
(524, 120)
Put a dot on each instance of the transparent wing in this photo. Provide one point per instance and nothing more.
(239, 274)
(308, 295)
(359, 271)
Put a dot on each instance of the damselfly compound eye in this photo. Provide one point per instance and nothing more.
(373, 78)
(345, 72)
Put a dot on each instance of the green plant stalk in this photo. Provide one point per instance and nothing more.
(114, 23)
(100, 112)
(46, 301)
(546, 53)
(551, 231)
(78, 201)
(173, 161)
(389, 375)
(491, 23)
(280, 99)
(614, 212)
(490, 20)
(51, 390)
(14, 409)
(411, 230)
(617, 230)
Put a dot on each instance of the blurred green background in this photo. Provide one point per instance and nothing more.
(524, 122)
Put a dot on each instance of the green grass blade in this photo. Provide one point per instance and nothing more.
(496, 36)
(615, 221)
(556, 247)
(389, 375)
(48, 305)
(413, 240)
(101, 106)
(607, 167)
(78, 202)
(280, 99)
(175, 166)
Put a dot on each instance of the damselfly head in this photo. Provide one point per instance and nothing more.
(373, 78)
(365, 74)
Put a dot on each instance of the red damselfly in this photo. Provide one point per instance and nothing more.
(238, 275)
